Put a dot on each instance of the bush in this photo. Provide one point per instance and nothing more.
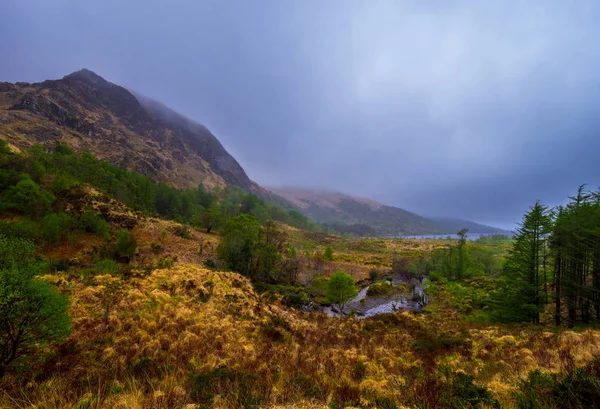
(55, 226)
(165, 262)
(578, 388)
(26, 229)
(183, 231)
(341, 289)
(34, 314)
(383, 289)
(293, 296)
(125, 244)
(95, 223)
(28, 198)
(458, 393)
(240, 238)
(328, 253)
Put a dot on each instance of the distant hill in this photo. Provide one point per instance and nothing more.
(360, 214)
(457, 224)
(89, 113)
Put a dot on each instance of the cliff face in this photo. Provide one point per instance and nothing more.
(92, 114)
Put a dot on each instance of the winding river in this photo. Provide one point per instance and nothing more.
(371, 306)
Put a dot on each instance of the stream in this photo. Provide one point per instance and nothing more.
(383, 305)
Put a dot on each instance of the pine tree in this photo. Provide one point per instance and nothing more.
(522, 297)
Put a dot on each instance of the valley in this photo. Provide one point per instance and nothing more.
(140, 267)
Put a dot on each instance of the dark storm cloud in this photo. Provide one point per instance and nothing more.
(467, 109)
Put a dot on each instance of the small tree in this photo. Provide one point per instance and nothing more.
(210, 217)
(240, 238)
(27, 197)
(125, 244)
(341, 290)
(163, 235)
(33, 314)
(328, 253)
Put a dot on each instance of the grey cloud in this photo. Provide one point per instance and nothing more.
(467, 109)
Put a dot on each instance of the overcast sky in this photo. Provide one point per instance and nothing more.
(472, 109)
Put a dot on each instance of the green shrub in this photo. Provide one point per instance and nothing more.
(183, 231)
(26, 229)
(459, 392)
(341, 289)
(382, 289)
(95, 223)
(63, 182)
(578, 388)
(165, 262)
(55, 226)
(125, 244)
(33, 313)
(28, 198)
(293, 296)
(328, 253)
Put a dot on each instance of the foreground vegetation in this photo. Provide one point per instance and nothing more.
(119, 309)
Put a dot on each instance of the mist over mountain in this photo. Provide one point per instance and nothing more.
(89, 113)
(340, 209)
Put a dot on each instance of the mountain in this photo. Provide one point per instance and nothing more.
(456, 224)
(339, 209)
(89, 113)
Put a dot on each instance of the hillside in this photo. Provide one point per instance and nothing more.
(341, 209)
(89, 113)
(457, 224)
(105, 307)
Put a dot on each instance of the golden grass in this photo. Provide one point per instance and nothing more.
(185, 320)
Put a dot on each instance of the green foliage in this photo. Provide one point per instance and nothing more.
(341, 289)
(94, 222)
(163, 235)
(27, 197)
(464, 393)
(106, 266)
(292, 296)
(577, 389)
(55, 226)
(63, 182)
(24, 228)
(328, 253)
(521, 295)
(33, 314)
(183, 232)
(239, 240)
(125, 244)
(382, 289)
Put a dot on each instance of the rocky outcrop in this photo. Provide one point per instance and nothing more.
(89, 113)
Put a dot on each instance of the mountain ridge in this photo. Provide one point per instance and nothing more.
(333, 208)
(90, 113)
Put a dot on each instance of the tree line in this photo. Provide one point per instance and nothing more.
(555, 259)
(30, 182)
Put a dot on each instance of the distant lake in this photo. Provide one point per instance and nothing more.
(470, 236)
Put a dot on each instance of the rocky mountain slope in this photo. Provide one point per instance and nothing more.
(337, 208)
(89, 113)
